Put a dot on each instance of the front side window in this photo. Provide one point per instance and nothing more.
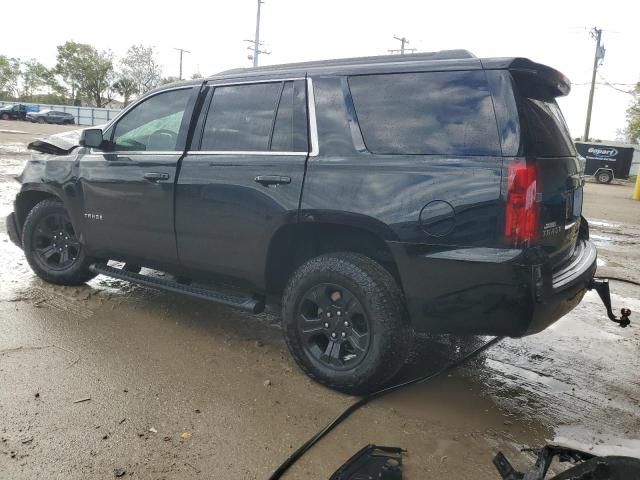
(426, 113)
(154, 124)
(241, 117)
(256, 118)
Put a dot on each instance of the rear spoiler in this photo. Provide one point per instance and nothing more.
(535, 79)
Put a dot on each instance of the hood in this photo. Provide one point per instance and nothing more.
(60, 143)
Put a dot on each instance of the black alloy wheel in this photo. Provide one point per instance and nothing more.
(55, 243)
(333, 326)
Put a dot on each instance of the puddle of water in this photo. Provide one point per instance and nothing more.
(16, 147)
(600, 223)
(4, 130)
(598, 443)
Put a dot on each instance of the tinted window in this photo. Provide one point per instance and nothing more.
(546, 130)
(241, 117)
(430, 113)
(290, 129)
(154, 124)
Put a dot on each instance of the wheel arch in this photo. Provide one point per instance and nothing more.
(293, 244)
(28, 198)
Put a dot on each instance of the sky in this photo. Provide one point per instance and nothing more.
(555, 33)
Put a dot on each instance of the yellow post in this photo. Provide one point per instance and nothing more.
(636, 191)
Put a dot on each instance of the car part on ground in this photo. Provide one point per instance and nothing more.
(346, 413)
(589, 466)
(372, 462)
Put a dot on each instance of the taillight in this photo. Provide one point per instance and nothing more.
(521, 220)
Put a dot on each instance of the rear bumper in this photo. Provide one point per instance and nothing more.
(12, 229)
(487, 291)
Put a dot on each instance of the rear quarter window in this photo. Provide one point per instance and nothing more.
(545, 130)
(426, 113)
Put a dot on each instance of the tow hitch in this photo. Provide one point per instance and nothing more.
(601, 285)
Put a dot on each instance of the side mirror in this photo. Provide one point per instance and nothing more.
(91, 137)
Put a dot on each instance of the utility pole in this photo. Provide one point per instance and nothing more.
(598, 58)
(256, 40)
(181, 50)
(403, 41)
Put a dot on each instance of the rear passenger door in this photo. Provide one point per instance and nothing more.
(242, 178)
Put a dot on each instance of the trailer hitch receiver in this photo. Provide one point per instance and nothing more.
(601, 285)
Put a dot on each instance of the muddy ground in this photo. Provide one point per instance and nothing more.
(114, 376)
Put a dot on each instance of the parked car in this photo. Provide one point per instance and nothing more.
(51, 116)
(370, 198)
(13, 112)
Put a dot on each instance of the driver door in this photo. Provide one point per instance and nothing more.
(128, 188)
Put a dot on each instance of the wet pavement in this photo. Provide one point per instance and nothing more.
(115, 376)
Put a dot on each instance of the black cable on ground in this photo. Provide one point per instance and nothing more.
(624, 280)
(372, 396)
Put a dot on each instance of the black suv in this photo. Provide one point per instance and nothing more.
(373, 197)
(13, 112)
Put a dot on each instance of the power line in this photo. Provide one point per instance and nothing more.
(604, 80)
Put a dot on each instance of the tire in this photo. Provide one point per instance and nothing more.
(66, 263)
(5, 116)
(370, 304)
(41, 120)
(604, 177)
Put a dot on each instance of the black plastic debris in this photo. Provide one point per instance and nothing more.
(588, 466)
(380, 463)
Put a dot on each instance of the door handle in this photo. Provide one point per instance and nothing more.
(156, 176)
(272, 180)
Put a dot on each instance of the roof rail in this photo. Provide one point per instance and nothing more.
(412, 57)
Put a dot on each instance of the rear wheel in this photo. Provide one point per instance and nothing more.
(51, 245)
(41, 120)
(604, 177)
(345, 322)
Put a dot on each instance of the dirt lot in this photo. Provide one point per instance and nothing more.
(180, 388)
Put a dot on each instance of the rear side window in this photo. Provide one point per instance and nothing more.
(545, 129)
(258, 117)
(427, 113)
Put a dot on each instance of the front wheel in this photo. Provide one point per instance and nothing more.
(51, 245)
(5, 116)
(345, 322)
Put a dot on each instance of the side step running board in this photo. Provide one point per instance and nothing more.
(244, 303)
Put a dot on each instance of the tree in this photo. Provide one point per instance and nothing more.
(97, 77)
(87, 71)
(633, 117)
(36, 76)
(9, 76)
(70, 59)
(196, 76)
(125, 87)
(140, 64)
